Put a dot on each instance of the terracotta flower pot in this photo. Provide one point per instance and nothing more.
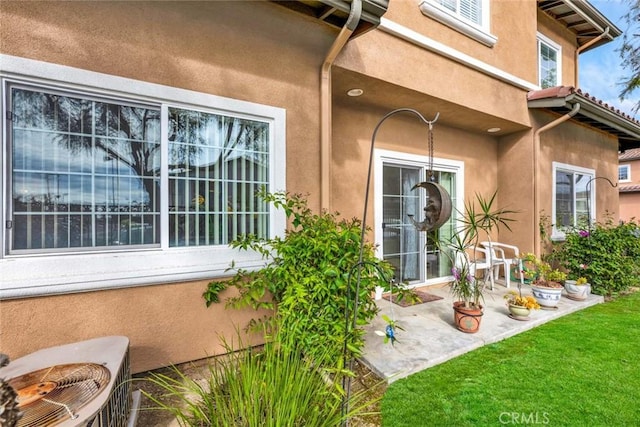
(467, 319)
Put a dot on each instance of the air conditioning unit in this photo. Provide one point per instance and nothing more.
(85, 384)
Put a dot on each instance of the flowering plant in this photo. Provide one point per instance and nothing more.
(513, 298)
(541, 272)
(581, 281)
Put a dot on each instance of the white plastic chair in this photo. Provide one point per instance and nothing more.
(504, 255)
(481, 260)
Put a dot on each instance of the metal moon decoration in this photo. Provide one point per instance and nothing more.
(438, 208)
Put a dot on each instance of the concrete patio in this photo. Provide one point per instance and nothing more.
(430, 336)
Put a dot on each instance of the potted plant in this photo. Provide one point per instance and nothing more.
(528, 261)
(547, 287)
(520, 307)
(578, 289)
(467, 288)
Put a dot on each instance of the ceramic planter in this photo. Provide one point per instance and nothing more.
(467, 319)
(577, 292)
(518, 312)
(546, 297)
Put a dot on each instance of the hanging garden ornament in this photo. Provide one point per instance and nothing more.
(438, 205)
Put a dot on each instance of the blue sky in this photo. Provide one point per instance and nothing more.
(600, 69)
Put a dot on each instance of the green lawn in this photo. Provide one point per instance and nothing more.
(580, 370)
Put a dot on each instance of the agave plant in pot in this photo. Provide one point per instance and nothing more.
(477, 221)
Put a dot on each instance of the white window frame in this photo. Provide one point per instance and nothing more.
(45, 274)
(544, 40)
(382, 156)
(479, 32)
(557, 234)
(628, 169)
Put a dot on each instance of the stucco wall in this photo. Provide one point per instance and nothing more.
(569, 143)
(630, 201)
(405, 133)
(512, 22)
(630, 206)
(165, 324)
(254, 51)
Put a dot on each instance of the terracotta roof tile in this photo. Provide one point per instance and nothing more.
(609, 107)
(631, 188)
(551, 92)
(564, 91)
(632, 154)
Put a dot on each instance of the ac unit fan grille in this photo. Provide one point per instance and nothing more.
(52, 395)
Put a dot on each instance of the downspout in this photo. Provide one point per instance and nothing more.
(325, 101)
(585, 46)
(536, 154)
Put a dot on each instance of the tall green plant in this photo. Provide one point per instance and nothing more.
(274, 386)
(479, 219)
(310, 276)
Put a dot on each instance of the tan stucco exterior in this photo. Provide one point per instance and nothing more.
(263, 53)
(630, 197)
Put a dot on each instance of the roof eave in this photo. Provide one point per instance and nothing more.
(593, 23)
(596, 115)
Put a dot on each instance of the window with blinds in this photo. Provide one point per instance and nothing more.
(87, 173)
(471, 10)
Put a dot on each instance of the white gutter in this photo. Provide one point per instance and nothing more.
(536, 154)
(429, 44)
(325, 102)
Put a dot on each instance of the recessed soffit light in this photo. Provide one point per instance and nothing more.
(355, 92)
(493, 130)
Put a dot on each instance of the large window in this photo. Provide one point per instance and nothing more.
(413, 254)
(93, 179)
(86, 173)
(573, 197)
(624, 173)
(549, 62)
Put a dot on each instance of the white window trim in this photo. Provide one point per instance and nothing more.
(628, 168)
(46, 274)
(453, 20)
(557, 234)
(541, 38)
(382, 156)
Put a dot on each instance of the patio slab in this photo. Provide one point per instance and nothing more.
(430, 336)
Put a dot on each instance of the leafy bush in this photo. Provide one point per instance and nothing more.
(275, 386)
(608, 255)
(311, 278)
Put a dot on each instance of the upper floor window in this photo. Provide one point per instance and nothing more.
(624, 173)
(549, 62)
(111, 182)
(573, 198)
(470, 17)
(470, 10)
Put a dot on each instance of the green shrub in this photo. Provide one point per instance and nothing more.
(308, 274)
(608, 255)
(275, 386)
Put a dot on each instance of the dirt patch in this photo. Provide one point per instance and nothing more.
(149, 416)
